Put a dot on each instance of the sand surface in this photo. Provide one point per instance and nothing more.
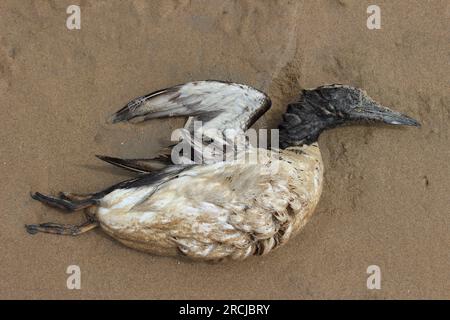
(386, 198)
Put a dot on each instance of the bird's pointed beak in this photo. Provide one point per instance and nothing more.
(372, 111)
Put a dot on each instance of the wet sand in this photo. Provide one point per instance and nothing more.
(386, 193)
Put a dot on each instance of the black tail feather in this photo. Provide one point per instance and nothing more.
(138, 165)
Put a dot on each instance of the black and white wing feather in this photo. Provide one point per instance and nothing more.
(217, 110)
(219, 105)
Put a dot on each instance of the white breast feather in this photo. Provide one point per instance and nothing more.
(228, 209)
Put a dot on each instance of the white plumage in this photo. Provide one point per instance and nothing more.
(228, 209)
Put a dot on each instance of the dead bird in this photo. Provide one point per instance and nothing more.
(224, 209)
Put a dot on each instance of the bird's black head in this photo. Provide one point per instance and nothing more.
(330, 106)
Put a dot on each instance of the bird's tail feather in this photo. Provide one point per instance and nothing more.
(138, 165)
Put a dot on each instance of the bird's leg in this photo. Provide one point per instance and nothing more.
(70, 203)
(69, 196)
(90, 216)
(62, 229)
(65, 203)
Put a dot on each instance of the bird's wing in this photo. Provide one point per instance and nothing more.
(222, 104)
(216, 110)
(154, 178)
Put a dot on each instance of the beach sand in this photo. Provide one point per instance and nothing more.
(386, 197)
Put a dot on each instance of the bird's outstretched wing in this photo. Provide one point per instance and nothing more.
(217, 110)
(218, 104)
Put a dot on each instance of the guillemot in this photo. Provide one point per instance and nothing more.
(221, 208)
